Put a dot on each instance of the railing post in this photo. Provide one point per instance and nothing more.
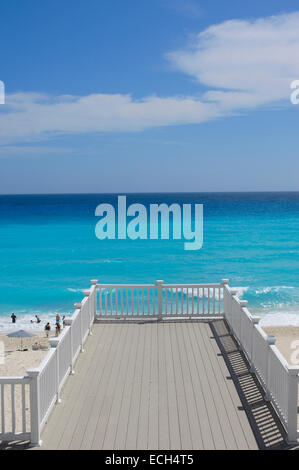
(254, 321)
(160, 307)
(233, 292)
(68, 322)
(54, 344)
(224, 284)
(270, 342)
(34, 407)
(87, 294)
(243, 304)
(78, 306)
(94, 283)
(292, 404)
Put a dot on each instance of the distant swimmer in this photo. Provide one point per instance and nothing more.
(13, 318)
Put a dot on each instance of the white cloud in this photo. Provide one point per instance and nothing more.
(255, 61)
(242, 64)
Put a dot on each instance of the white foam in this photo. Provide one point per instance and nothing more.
(280, 319)
(24, 321)
(266, 290)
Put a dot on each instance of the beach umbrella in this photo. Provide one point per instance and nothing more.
(20, 334)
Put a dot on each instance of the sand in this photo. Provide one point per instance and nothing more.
(286, 338)
(16, 362)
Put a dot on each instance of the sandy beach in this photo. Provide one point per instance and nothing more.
(17, 362)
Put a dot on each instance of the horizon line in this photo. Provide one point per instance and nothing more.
(154, 192)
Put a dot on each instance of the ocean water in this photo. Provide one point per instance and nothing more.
(49, 252)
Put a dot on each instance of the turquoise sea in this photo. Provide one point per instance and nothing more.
(49, 251)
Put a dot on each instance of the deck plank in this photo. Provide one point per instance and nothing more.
(216, 384)
(164, 438)
(204, 378)
(142, 438)
(160, 385)
(174, 424)
(132, 430)
(116, 380)
(74, 390)
(121, 425)
(240, 425)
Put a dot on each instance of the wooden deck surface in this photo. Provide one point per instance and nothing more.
(161, 386)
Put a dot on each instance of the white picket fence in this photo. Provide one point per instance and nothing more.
(160, 300)
(278, 378)
(26, 402)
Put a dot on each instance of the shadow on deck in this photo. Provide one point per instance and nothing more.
(265, 424)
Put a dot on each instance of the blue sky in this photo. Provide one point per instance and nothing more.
(160, 95)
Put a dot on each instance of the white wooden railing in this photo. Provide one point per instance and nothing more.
(278, 378)
(133, 301)
(15, 408)
(26, 402)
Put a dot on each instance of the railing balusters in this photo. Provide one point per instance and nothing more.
(2, 409)
(100, 300)
(116, 301)
(13, 409)
(148, 302)
(127, 300)
(214, 300)
(23, 408)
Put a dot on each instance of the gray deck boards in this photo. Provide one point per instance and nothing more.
(150, 386)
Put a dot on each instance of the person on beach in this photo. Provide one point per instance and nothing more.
(57, 328)
(47, 329)
(63, 321)
(37, 319)
(13, 318)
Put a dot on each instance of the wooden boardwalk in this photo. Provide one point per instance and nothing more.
(175, 385)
